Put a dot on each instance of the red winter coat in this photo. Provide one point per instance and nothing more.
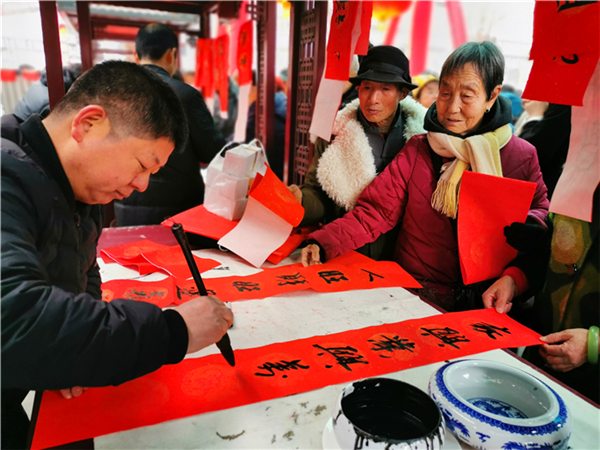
(427, 246)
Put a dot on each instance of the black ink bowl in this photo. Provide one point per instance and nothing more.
(386, 413)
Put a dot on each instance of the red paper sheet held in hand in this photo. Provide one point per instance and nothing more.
(200, 385)
(486, 205)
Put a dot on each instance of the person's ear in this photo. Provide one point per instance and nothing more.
(495, 94)
(136, 57)
(403, 93)
(91, 118)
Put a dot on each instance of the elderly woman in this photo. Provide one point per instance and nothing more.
(368, 133)
(468, 127)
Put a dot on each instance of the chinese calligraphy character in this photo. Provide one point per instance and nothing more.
(573, 60)
(246, 286)
(390, 344)
(193, 292)
(133, 294)
(291, 279)
(340, 6)
(372, 275)
(447, 335)
(562, 5)
(280, 366)
(490, 330)
(344, 356)
(330, 276)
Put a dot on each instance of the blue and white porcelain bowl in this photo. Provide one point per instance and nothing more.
(490, 405)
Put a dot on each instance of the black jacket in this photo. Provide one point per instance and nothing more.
(550, 136)
(56, 332)
(178, 186)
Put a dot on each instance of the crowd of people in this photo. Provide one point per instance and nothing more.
(385, 184)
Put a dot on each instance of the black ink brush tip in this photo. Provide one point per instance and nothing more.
(224, 345)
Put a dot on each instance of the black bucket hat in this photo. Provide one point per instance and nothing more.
(385, 64)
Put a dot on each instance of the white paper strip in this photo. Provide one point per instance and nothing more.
(242, 118)
(574, 193)
(258, 234)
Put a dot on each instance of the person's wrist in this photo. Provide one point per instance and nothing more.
(592, 346)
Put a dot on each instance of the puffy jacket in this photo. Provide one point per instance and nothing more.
(427, 245)
(56, 331)
(178, 186)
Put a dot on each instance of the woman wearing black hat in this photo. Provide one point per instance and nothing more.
(368, 133)
(467, 128)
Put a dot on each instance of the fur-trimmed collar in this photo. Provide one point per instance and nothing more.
(347, 166)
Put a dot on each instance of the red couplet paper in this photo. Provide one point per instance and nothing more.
(348, 272)
(160, 293)
(172, 262)
(486, 205)
(200, 385)
(222, 69)
(339, 46)
(362, 45)
(565, 51)
(130, 255)
(556, 79)
(244, 53)
(273, 194)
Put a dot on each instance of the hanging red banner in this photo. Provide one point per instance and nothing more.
(565, 51)
(339, 46)
(205, 67)
(200, 385)
(222, 69)
(244, 53)
(362, 45)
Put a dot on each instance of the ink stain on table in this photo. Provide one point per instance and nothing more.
(295, 417)
(230, 437)
(273, 439)
(289, 435)
(318, 410)
(303, 404)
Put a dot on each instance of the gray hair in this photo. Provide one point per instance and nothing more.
(485, 57)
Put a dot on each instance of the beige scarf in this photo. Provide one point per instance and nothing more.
(480, 152)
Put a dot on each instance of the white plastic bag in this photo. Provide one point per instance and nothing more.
(229, 177)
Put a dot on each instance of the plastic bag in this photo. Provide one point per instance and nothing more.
(229, 177)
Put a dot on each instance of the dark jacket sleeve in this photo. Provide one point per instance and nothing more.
(54, 339)
(206, 140)
(318, 207)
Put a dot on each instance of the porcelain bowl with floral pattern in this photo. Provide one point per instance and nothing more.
(383, 413)
(490, 405)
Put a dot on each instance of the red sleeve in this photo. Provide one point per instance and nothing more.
(520, 279)
(378, 209)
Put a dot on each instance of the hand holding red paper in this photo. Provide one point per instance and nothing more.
(486, 205)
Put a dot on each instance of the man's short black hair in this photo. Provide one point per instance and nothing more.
(136, 100)
(487, 59)
(153, 41)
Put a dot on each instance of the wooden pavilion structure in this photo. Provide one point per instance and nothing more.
(306, 59)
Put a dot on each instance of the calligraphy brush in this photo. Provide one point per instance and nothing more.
(224, 344)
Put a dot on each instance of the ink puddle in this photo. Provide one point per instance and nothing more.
(382, 413)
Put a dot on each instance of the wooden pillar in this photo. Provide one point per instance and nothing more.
(266, 30)
(307, 61)
(85, 35)
(50, 32)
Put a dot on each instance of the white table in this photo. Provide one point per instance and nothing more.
(297, 421)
